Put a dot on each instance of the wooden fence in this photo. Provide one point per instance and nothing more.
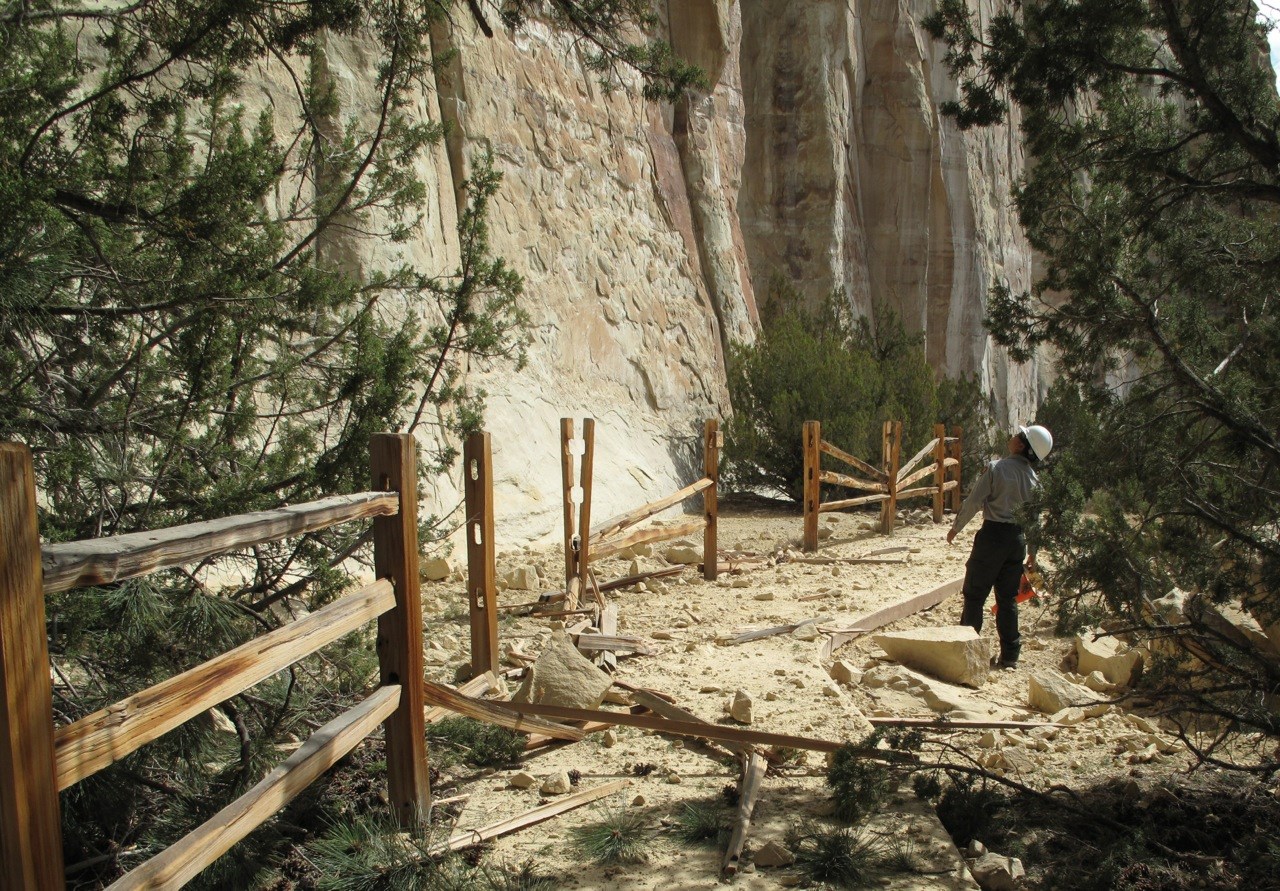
(584, 544)
(38, 761)
(888, 484)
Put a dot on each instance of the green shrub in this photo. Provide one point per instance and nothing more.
(850, 374)
(858, 784)
(473, 742)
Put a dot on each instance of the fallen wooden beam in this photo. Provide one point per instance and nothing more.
(617, 524)
(477, 686)
(529, 818)
(892, 613)
(538, 740)
(606, 658)
(615, 643)
(616, 546)
(659, 706)
(748, 791)
(828, 561)
(628, 581)
(946, 724)
(493, 713)
(761, 633)
(697, 729)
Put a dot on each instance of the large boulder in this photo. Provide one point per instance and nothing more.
(1050, 692)
(563, 676)
(1114, 659)
(954, 653)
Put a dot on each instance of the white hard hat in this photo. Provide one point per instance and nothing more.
(1040, 440)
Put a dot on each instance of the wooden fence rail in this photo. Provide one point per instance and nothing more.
(583, 544)
(888, 484)
(37, 761)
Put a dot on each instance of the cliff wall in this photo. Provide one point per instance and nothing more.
(650, 234)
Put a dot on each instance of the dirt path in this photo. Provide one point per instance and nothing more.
(793, 693)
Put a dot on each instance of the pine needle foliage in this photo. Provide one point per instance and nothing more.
(858, 784)
(703, 822)
(840, 856)
(1151, 190)
(620, 835)
(473, 742)
(373, 854)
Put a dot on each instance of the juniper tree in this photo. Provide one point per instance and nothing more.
(183, 334)
(1152, 132)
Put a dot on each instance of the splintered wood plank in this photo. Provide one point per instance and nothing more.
(841, 455)
(851, 502)
(184, 860)
(659, 706)
(529, 818)
(101, 561)
(495, 713)
(647, 536)
(617, 524)
(916, 459)
(615, 643)
(477, 686)
(869, 622)
(107, 735)
(920, 474)
(948, 724)
(748, 792)
(851, 482)
(698, 729)
(606, 658)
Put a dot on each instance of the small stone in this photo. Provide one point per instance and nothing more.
(830, 690)
(524, 780)
(661, 635)
(844, 673)
(436, 569)
(740, 581)
(523, 578)
(989, 740)
(683, 552)
(771, 697)
(609, 738)
(674, 778)
(709, 688)
(806, 631)
(557, 784)
(764, 595)
(639, 801)
(773, 854)
(740, 709)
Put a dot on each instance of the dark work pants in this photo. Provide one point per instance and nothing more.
(997, 560)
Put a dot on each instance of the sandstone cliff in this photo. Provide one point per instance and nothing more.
(648, 234)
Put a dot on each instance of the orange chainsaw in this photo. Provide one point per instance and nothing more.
(1026, 591)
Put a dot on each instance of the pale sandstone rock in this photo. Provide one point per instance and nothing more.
(1114, 659)
(557, 784)
(740, 708)
(772, 854)
(995, 872)
(522, 578)
(563, 676)
(954, 653)
(683, 552)
(437, 569)
(843, 672)
(1050, 692)
(524, 780)
(806, 631)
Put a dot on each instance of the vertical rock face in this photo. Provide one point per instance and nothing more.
(646, 233)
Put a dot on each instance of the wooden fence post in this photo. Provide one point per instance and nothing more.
(477, 462)
(710, 499)
(812, 446)
(30, 825)
(953, 450)
(585, 472)
(393, 465)
(891, 447)
(940, 469)
(570, 513)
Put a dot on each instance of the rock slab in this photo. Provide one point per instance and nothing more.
(563, 676)
(953, 653)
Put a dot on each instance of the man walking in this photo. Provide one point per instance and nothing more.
(999, 549)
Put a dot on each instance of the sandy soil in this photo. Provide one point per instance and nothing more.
(690, 620)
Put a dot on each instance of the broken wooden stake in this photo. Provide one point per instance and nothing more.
(493, 713)
(948, 724)
(628, 581)
(748, 792)
(529, 818)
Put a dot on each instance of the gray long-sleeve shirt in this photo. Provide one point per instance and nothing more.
(1004, 487)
